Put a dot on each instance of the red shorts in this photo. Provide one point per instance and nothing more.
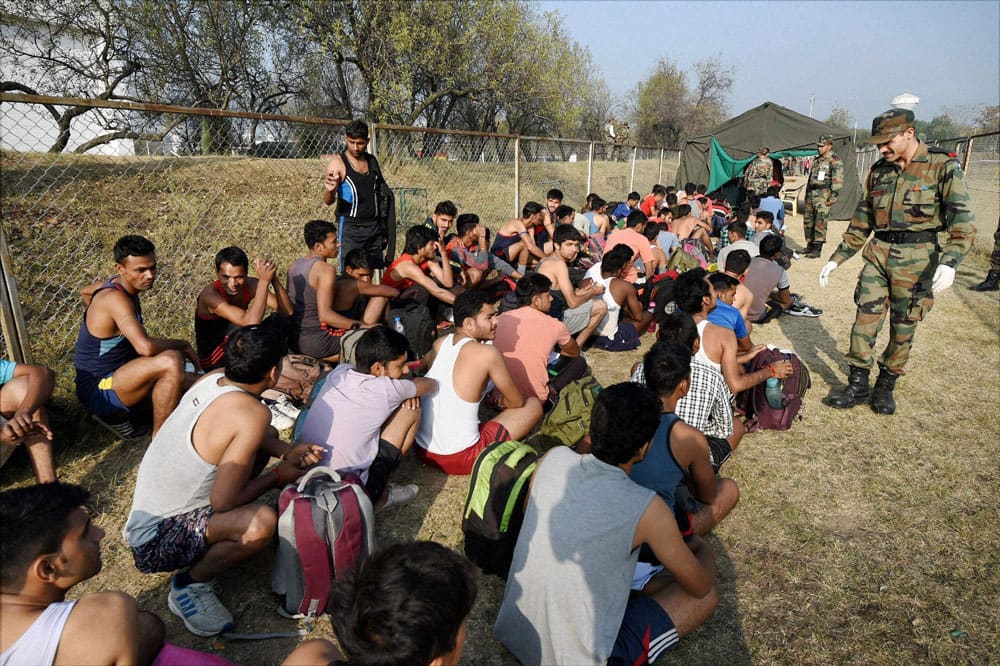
(461, 463)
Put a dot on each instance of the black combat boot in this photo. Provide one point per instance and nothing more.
(856, 391)
(882, 400)
(991, 283)
(817, 249)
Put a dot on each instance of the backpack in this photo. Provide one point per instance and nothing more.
(680, 261)
(696, 248)
(494, 507)
(326, 528)
(349, 345)
(298, 377)
(419, 326)
(569, 419)
(592, 251)
(753, 405)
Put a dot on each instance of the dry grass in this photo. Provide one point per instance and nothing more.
(859, 538)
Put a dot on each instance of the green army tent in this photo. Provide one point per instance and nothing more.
(719, 156)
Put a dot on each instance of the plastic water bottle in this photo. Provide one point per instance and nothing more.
(397, 324)
(772, 391)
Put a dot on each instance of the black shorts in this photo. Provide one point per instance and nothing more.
(718, 451)
(386, 460)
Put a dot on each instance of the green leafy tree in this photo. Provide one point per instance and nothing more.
(669, 110)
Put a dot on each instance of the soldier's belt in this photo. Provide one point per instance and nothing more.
(904, 237)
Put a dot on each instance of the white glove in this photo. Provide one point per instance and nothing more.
(944, 276)
(824, 274)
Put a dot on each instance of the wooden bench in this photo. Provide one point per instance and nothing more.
(791, 198)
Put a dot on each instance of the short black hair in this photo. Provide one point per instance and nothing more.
(651, 231)
(405, 605)
(531, 208)
(565, 232)
(466, 222)
(771, 245)
(737, 261)
(722, 282)
(357, 129)
(133, 245)
(766, 215)
(554, 194)
(616, 258)
(738, 228)
(564, 211)
(417, 237)
(678, 327)
(633, 196)
(635, 218)
(357, 258)
(316, 231)
(33, 522)
(531, 285)
(446, 207)
(625, 417)
(683, 210)
(671, 200)
(665, 365)
(231, 255)
(468, 304)
(252, 351)
(702, 188)
(689, 288)
(659, 189)
(773, 190)
(597, 203)
(690, 188)
(379, 344)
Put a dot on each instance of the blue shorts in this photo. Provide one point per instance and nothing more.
(646, 633)
(179, 542)
(100, 399)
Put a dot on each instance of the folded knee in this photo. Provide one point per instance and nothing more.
(262, 526)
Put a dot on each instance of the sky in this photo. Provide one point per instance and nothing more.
(854, 55)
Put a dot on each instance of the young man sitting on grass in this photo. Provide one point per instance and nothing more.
(407, 606)
(417, 269)
(24, 390)
(194, 506)
(468, 249)
(356, 297)
(366, 416)
(569, 595)
(450, 436)
(578, 308)
(514, 241)
(725, 314)
(624, 309)
(526, 337)
(680, 453)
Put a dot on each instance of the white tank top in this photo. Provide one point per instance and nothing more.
(701, 355)
(609, 325)
(448, 424)
(38, 645)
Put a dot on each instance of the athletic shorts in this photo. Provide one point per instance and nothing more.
(646, 633)
(179, 542)
(100, 399)
(718, 451)
(461, 463)
(576, 319)
(386, 460)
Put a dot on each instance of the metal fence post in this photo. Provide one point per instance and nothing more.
(659, 168)
(590, 167)
(517, 176)
(15, 332)
(631, 178)
(968, 156)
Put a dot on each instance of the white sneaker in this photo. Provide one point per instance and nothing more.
(279, 419)
(801, 310)
(400, 494)
(288, 409)
(202, 612)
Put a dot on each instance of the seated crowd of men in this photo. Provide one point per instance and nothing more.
(515, 317)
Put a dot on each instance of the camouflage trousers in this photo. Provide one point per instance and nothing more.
(995, 257)
(896, 278)
(814, 219)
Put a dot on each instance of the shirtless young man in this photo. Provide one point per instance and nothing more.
(695, 295)
(737, 263)
(194, 507)
(419, 265)
(316, 327)
(356, 297)
(51, 544)
(515, 240)
(117, 364)
(686, 225)
(579, 311)
(450, 435)
(233, 300)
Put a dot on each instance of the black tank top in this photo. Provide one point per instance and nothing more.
(357, 193)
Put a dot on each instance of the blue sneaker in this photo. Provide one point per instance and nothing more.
(202, 612)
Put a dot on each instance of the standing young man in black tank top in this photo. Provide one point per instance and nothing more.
(352, 181)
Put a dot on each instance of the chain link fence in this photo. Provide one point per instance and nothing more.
(194, 181)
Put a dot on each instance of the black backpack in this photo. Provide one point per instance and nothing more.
(420, 329)
(494, 508)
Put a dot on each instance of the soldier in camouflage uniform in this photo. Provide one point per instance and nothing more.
(825, 181)
(992, 281)
(759, 173)
(912, 193)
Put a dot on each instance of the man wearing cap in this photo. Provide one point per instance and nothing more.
(912, 193)
(758, 173)
(825, 181)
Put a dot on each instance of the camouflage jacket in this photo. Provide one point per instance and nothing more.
(758, 174)
(929, 195)
(826, 178)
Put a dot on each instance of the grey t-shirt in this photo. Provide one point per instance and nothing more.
(573, 564)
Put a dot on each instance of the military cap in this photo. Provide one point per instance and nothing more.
(890, 123)
(825, 139)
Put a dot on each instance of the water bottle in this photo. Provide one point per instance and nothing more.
(397, 324)
(772, 391)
